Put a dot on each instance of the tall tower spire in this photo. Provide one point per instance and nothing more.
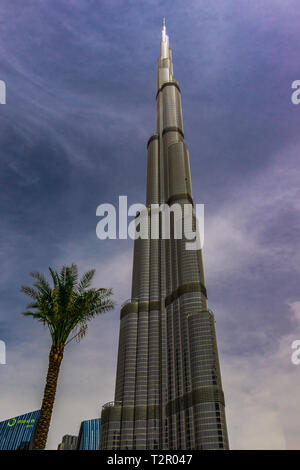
(164, 47)
(163, 33)
(168, 391)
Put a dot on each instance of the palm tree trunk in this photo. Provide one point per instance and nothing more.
(43, 424)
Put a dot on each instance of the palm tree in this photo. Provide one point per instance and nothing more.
(65, 309)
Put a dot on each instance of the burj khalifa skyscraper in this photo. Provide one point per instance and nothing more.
(168, 392)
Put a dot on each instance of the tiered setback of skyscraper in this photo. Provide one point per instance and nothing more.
(168, 391)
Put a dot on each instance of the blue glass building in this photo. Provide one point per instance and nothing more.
(89, 435)
(17, 433)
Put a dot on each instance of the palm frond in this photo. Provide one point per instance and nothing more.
(62, 275)
(54, 276)
(86, 280)
(41, 279)
(82, 332)
(74, 272)
(39, 317)
(33, 305)
(30, 291)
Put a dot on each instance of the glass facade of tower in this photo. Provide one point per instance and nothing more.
(89, 435)
(168, 391)
(17, 433)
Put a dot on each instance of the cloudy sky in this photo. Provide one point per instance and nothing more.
(80, 77)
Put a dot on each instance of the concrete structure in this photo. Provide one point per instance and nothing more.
(168, 391)
(68, 443)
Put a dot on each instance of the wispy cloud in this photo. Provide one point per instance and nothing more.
(262, 394)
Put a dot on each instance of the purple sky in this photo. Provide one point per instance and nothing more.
(80, 79)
